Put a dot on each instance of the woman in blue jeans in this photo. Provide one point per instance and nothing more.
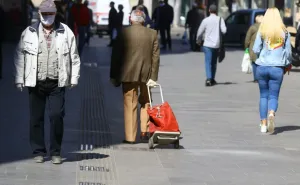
(273, 48)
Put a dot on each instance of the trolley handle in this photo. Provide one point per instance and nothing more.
(161, 93)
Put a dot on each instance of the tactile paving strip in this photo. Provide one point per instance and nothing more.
(95, 164)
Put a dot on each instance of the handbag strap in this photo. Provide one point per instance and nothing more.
(220, 32)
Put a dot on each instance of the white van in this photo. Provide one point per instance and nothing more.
(101, 10)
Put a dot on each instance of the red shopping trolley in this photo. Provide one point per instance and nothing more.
(163, 126)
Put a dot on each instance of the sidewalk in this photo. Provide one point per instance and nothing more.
(221, 142)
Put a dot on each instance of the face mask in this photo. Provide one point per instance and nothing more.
(47, 20)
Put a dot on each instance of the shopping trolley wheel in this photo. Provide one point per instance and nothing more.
(176, 144)
(151, 143)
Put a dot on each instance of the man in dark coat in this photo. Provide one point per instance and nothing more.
(141, 3)
(112, 21)
(163, 17)
(194, 18)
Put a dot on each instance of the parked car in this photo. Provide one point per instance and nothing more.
(238, 24)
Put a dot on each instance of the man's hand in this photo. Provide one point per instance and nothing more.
(72, 86)
(151, 83)
(20, 87)
(199, 42)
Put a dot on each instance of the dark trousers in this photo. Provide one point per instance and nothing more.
(81, 38)
(46, 91)
(1, 60)
(163, 31)
(88, 34)
(193, 39)
(111, 35)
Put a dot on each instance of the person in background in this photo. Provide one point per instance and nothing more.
(210, 28)
(273, 48)
(194, 18)
(60, 15)
(134, 64)
(249, 42)
(141, 5)
(82, 19)
(46, 62)
(166, 16)
(112, 21)
(91, 23)
(120, 17)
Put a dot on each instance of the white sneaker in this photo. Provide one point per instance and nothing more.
(271, 124)
(263, 129)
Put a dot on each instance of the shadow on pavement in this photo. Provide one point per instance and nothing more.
(227, 83)
(295, 70)
(76, 157)
(279, 130)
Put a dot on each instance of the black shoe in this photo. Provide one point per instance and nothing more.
(208, 83)
(213, 82)
(144, 136)
(128, 142)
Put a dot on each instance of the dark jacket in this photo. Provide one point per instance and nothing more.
(120, 16)
(135, 55)
(112, 18)
(194, 18)
(250, 39)
(297, 41)
(163, 16)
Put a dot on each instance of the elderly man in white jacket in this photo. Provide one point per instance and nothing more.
(46, 62)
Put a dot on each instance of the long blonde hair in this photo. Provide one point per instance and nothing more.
(272, 27)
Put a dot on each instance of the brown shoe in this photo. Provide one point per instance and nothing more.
(144, 136)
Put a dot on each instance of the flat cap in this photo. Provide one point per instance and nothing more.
(213, 8)
(47, 6)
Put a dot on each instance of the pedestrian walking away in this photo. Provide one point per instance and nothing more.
(120, 17)
(273, 48)
(211, 27)
(81, 17)
(163, 17)
(134, 64)
(249, 42)
(194, 18)
(112, 22)
(46, 62)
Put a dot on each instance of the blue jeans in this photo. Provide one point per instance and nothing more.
(269, 80)
(211, 56)
(254, 66)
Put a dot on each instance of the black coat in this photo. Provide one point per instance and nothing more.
(194, 18)
(112, 18)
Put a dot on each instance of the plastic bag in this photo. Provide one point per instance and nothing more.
(185, 37)
(246, 64)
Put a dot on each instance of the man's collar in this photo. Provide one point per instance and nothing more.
(58, 27)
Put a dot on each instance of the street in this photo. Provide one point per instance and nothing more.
(221, 141)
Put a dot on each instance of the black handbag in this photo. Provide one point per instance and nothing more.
(295, 57)
(221, 52)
